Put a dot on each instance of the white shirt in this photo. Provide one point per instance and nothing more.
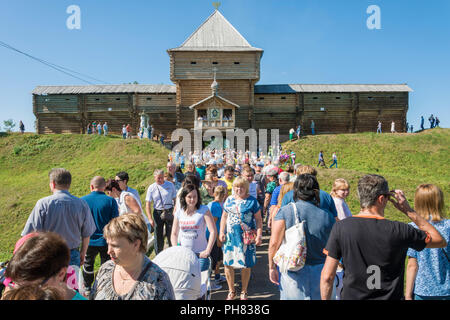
(192, 232)
(123, 208)
(135, 194)
(342, 208)
(161, 195)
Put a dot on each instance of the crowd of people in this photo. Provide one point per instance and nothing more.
(218, 203)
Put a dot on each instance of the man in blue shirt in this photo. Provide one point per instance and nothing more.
(103, 209)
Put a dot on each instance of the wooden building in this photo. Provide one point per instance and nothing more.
(215, 74)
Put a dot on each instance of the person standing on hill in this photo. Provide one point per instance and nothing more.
(124, 132)
(373, 249)
(379, 127)
(393, 127)
(103, 209)
(321, 160)
(334, 160)
(105, 129)
(412, 128)
(422, 121)
(431, 119)
(291, 134)
(298, 132)
(64, 214)
(437, 121)
(128, 131)
(99, 128)
(21, 127)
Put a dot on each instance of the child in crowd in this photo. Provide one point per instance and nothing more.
(216, 208)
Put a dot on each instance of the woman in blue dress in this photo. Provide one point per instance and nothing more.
(241, 211)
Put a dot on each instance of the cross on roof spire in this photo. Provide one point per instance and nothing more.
(216, 5)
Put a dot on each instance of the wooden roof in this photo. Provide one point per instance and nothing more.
(322, 88)
(216, 34)
(121, 88)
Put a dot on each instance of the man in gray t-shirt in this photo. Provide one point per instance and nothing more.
(64, 214)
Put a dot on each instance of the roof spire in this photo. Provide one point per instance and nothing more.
(216, 5)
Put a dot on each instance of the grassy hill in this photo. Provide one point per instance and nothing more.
(406, 160)
(25, 161)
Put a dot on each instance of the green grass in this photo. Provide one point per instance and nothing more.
(405, 160)
(25, 161)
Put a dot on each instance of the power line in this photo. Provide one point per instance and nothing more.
(53, 65)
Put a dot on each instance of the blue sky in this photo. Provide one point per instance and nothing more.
(305, 41)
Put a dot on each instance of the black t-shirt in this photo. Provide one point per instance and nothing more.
(373, 252)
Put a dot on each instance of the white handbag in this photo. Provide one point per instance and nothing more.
(291, 255)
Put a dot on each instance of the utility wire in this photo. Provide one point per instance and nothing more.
(53, 65)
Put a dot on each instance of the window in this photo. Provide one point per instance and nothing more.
(148, 99)
(283, 98)
(392, 97)
(215, 62)
(370, 98)
(261, 98)
(117, 99)
(193, 62)
(237, 62)
(170, 98)
(227, 114)
(337, 98)
(322, 109)
(315, 98)
(97, 99)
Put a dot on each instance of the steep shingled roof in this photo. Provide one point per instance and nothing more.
(216, 34)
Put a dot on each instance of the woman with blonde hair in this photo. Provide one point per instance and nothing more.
(242, 214)
(428, 271)
(339, 193)
(130, 275)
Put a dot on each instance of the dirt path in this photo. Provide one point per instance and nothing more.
(260, 287)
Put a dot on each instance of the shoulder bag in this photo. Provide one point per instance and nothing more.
(248, 236)
(167, 214)
(291, 255)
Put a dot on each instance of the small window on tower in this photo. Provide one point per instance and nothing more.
(193, 62)
(337, 98)
(370, 98)
(215, 62)
(283, 98)
(148, 99)
(237, 62)
(170, 98)
(118, 99)
(261, 98)
(315, 98)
